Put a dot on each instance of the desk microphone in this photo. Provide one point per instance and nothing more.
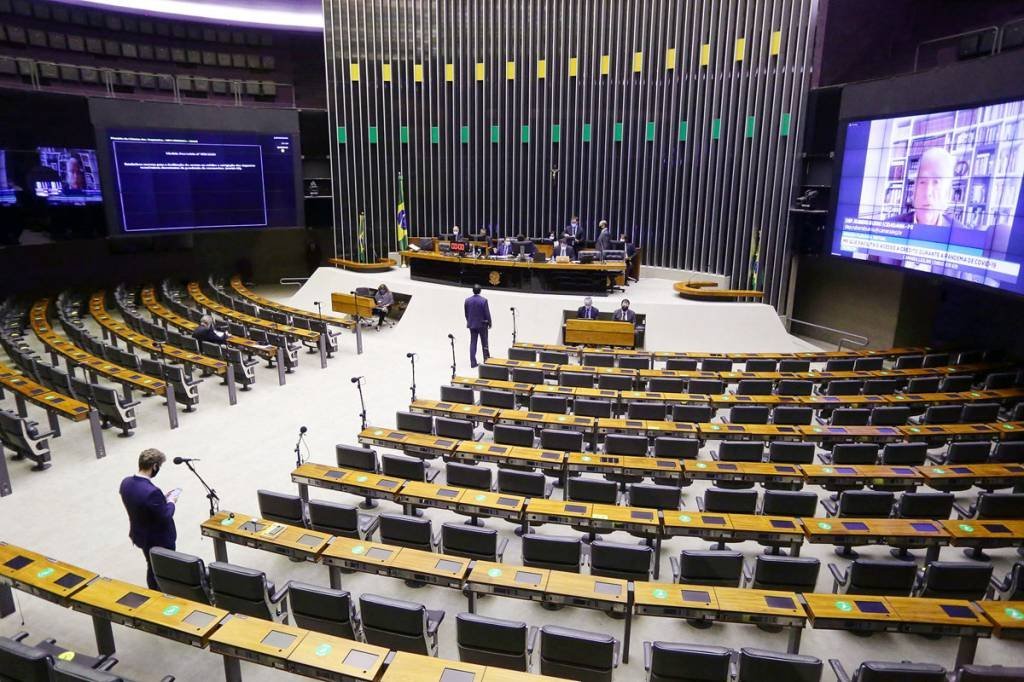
(185, 460)
(355, 379)
(302, 429)
(451, 336)
(410, 355)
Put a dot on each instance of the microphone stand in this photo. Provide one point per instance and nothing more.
(451, 340)
(320, 310)
(513, 325)
(412, 359)
(298, 452)
(211, 494)
(362, 404)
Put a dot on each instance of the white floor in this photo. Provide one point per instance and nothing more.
(72, 511)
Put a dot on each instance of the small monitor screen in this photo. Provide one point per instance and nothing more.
(133, 600)
(199, 619)
(528, 578)
(696, 595)
(449, 566)
(447, 492)
(384, 483)
(871, 607)
(69, 580)
(641, 515)
(958, 611)
(360, 659)
(607, 588)
(378, 554)
(715, 520)
(575, 508)
(779, 602)
(252, 526)
(278, 640)
(845, 470)
(923, 527)
(781, 523)
(507, 501)
(995, 528)
(453, 675)
(310, 540)
(68, 177)
(854, 525)
(18, 562)
(726, 466)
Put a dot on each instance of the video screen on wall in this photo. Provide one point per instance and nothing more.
(67, 176)
(169, 180)
(936, 192)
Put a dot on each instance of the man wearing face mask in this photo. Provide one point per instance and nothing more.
(505, 247)
(624, 314)
(150, 511)
(573, 232)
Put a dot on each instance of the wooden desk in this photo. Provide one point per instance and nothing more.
(350, 304)
(857, 613)
(406, 667)
(852, 434)
(420, 493)
(477, 413)
(1010, 430)
(651, 467)
(253, 639)
(593, 463)
(646, 427)
(334, 658)
(550, 369)
(307, 337)
(980, 535)
(364, 556)
(600, 333)
(46, 578)
(293, 542)
(697, 524)
(716, 431)
(355, 482)
(692, 602)
(420, 444)
(381, 265)
(814, 356)
(591, 592)
(470, 451)
(642, 521)
(758, 472)
(429, 567)
(544, 420)
(848, 476)
(770, 531)
(952, 432)
(245, 292)
(1007, 618)
(488, 577)
(668, 398)
(710, 291)
(980, 475)
(514, 387)
(903, 533)
(484, 503)
(562, 512)
(576, 392)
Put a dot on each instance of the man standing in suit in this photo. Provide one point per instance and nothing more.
(604, 238)
(478, 321)
(573, 231)
(587, 311)
(207, 332)
(624, 314)
(563, 249)
(150, 511)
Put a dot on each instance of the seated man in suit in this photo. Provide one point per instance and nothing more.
(456, 234)
(207, 332)
(624, 314)
(630, 249)
(587, 311)
(563, 249)
(504, 248)
(526, 246)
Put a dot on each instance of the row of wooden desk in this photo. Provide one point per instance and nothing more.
(242, 290)
(655, 525)
(813, 356)
(960, 618)
(553, 370)
(726, 400)
(235, 637)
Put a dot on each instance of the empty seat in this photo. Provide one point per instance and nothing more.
(884, 671)
(676, 448)
(717, 568)
(635, 361)
(281, 507)
(556, 357)
(954, 580)
(576, 379)
(760, 365)
(794, 387)
(413, 421)
(716, 365)
(875, 577)
(979, 413)
(922, 385)
(651, 411)
(740, 451)
(356, 457)
(786, 573)
(1011, 587)
(854, 453)
(966, 452)
(590, 490)
(340, 519)
(1008, 452)
(881, 386)
(749, 414)
(322, 609)
(788, 452)
(615, 382)
(578, 655)
(839, 365)
(181, 575)
(706, 386)
(791, 415)
(113, 410)
(666, 385)
(471, 542)
(722, 501)
(552, 552)
(755, 387)
(617, 560)
(956, 384)
(500, 399)
(850, 416)
(865, 504)
(526, 483)
(411, 468)
(525, 375)
(398, 624)
(246, 591)
(655, 496)
(550, 404)
(906, 454)
(598, 360)
(940, 414)
(792, 365)
(757, 665)
(699, 414)
(681, 364)
(468, 476)
(670, 662)
(494, 642)
(925, 505)
(995, 506)
(897, 415)
(909, 361)
(844, 387)
(453, 428)
(406, 531)
(620, 444)
(862, 364)
(458, 394)
(505, 434)
(592, 408)
(789, 503)
(559, 439)
(998, 380)
(989, 673)
(493, 372)
(527, 354)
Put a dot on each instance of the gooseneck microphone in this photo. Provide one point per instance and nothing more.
(298, 445)
(451, 340)
(513, 309)
(412, 359)
(362, 404)
(185, 460)
(355, 380)
(211, 494)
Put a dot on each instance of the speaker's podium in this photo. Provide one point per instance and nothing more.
(604, 331)
(358, 307)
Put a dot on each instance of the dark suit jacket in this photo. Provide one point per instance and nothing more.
(209, 335)
(150, 514)
(587, 314)
(603, 241)
(569, 251)
(478, 313)
(625, 315)
(504, 249)
(574, 234)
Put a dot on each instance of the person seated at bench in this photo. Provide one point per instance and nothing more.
(587, 311)
(624, 314)
(564, 249)
(207, 332)
(383, 299)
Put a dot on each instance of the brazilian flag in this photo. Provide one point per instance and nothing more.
(361, 237)
(402, 222)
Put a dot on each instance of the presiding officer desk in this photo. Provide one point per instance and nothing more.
(545, 277)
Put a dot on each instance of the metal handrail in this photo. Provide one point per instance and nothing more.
(296, 281)
(846, 337)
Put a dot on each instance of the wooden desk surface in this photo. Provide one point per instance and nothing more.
(257, 635)
(513, 577)
(389, 485)
(639, 517)
(245, 292)
(879, 473)
(521, 364)
(1009, 430)
(980, 431)
(508, 453)
(350, 304)
(960, 614)
(431, 563)
(337, 656)
(323, 472)
(972, 471)
(751, 604)
(649, 427)
(715, 431)
(672, 595)
(872, 433)
(499, 502)
(494, 674)
(361, 551)
(196, 292)
(38, 394)
(592, 588)
(494, 385)
(650, 465)
(394, 437)
(660, 397)
(757, 524)
(576, 392)
(559, 508)
(695, 521)
(41, 574)
(593, 461)
(822, 608)
(546, 419)
(813, 355)
(965, 530)
(192, 619)
(115, 597)
(1006, 616)
(406, 667)
(830, 526)
(454, 409)
(442, 495)
(243, 526)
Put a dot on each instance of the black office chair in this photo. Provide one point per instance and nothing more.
(495, 372)
(342, 520)
(988, 673)
(994, 506)
(757, 665)
(882, 671)
(787, 452)
(862, 504)
(964, 452)
(527, 354)
(459, 429)
(181, 575)
(749, 414)
(896, 415)
(526, 483)
(322, 609)
(761, 365)
(549, 404)
(707, 567)
(953, 580)
(458, 394)
(578, 655)
(670, 662)
(956, 384)
(1011, 587)
(576, 379)
(651, 411)
(654, 496)
(909, 361)
(410, 468)
(922, 385)
(839, 365)
(521, 436)
(682, 364)
(852, 453)
(407, 531)
(905, 454)
(791, 415)
(592, 490)
(716, 365)
(618, 560)
(666, 385)
(599, 409)
(875, 577)
(706, 386)
(939, 414)
(720, 501)
(797, 387)
(397, 624)
(555, 357)
(246, 591)
(560, 439)
(755, 387)
(525, 375)
(979, 413)
(849, 416)
(554, 552)
(844, 387)
(635, 361)
(357, 457)
(415, 422)
(697, 414)
(915, 505)
(789, 503)
(670, 447)
(598, 360)
(469, 476)
(739, 451)
(1009, 452)
(499, 399)
(471, 542)
(794, 365)
(615, 382)
(281, 508)
(881, 386)
(785, 573)
(494, 642)
(998, 380)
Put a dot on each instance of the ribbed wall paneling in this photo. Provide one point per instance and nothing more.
(686, 177)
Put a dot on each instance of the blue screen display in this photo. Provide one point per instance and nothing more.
(202, 180)
(937, 192)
